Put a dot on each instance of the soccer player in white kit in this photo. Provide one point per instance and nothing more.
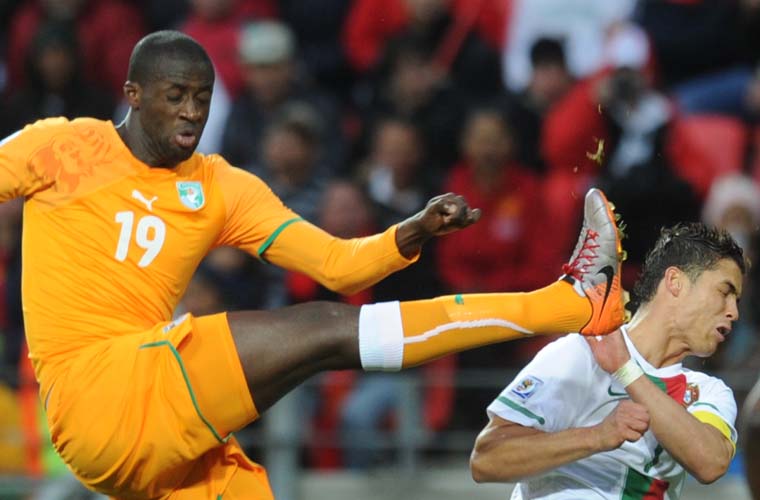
(619, 417)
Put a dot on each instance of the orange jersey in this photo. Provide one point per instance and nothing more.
(109, 243)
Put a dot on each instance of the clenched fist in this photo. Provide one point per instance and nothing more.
(443, 214)
(628, 422)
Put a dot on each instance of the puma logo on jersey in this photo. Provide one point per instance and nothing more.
(139, 197)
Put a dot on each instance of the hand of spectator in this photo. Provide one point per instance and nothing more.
(609, 351)
(443, 214)
(627, 422)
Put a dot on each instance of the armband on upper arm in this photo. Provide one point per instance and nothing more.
(714, 420)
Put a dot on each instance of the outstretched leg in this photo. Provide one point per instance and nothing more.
(280, 349)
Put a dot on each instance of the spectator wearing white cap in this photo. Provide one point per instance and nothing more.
(273, 85)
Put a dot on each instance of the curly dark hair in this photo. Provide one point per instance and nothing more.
(691, 247)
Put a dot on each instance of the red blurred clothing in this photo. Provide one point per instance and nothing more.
(371, 23)
(220, 38)
(573, 128)
(510, 248)
(107, 31)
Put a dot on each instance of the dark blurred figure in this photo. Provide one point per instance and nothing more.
(317, 25)
(407, 87)
(750, 432)
(273, 87)
(393, 171)
(106, 30)
(55, 84)
(692, 38)
(549, 81)
(290, 167)
(11, 320)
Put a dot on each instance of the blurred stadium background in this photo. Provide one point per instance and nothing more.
(356, 112)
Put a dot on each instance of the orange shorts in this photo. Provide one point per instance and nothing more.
(149, 415)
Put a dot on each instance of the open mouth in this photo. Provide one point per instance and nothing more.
(723, 332)
(186, 139)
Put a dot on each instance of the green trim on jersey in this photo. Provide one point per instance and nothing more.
(187, 383)
(658, 382)
(268, 243)
(521, 409)
(657, 452)
(639, 486)
(710, 405)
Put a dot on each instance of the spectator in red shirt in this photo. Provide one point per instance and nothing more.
(512, 252)
(107, 30)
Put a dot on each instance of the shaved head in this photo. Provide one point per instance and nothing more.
(151, 55)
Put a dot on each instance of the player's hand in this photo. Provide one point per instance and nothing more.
(609, 351)
(627, 422)
(443, 214)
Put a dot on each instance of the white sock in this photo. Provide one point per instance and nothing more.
(381, 337)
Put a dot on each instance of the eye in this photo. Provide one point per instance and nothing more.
(204, 98)
(174, 97)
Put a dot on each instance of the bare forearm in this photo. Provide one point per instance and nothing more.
(499, 458)
(698, 447)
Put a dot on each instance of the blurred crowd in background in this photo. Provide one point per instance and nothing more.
(356, 112)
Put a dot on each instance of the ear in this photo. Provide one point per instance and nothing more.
(133, 93)
(674, 281)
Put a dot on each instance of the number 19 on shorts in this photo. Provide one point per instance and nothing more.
(149, 235)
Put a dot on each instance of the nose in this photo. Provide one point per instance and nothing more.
(732, 311)
(191, 111)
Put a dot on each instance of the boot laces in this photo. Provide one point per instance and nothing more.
(585, 257)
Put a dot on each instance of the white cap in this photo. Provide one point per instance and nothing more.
(266, 42)
(730, 191)
(627, 46)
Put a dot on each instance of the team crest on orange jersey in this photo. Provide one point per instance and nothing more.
(191, 194)
(691, 395)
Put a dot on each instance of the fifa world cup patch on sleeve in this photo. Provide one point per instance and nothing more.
(527, 387)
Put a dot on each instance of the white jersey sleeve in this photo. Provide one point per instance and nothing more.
(714, 398)
(545, 394)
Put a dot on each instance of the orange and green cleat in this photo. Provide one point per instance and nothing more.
(595, 266)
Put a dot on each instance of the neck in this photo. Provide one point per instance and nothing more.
(139, 143)
(653, 334)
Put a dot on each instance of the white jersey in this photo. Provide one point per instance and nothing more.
(563, 388)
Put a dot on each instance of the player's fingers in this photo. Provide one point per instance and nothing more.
(639, 426)
(632, 435)
(473, 216)
(457, 210)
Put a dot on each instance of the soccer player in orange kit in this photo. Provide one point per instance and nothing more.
(116, 220)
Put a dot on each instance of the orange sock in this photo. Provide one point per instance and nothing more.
(433, 328)
(396, 335)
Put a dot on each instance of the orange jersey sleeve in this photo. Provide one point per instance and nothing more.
(258, 222)
(20, 174)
